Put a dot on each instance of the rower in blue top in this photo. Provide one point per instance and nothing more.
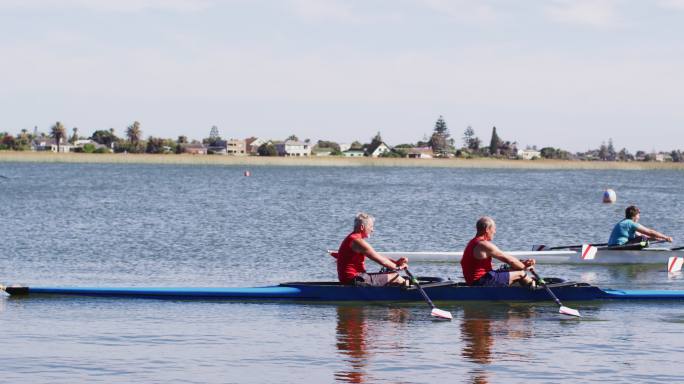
(629, 231)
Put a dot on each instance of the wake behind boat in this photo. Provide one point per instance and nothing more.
(333, 291)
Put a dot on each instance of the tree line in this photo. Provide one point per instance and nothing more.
(440, 142)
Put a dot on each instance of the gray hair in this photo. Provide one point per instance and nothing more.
(483, 224)
(364, 219)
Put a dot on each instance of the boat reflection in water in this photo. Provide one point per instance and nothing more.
(362, 330)
(482, 327)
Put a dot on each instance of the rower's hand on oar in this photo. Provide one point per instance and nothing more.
(529, 263)
(402, 263)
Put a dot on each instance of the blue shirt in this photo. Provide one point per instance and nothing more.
(623, 232)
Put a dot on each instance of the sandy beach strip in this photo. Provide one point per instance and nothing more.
(185, 159)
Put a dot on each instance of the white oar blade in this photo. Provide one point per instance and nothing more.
(588, 252)
(436, 312)
(563, 310)
(674, 264)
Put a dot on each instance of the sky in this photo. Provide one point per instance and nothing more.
(560, 73)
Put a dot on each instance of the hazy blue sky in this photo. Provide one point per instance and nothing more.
(568, 74)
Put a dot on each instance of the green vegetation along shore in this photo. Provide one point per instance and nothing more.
(119, 158)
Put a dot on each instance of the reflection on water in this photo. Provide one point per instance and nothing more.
(676, 275)
(481, 326)
(351, 342)
(633, 272)
(357, 336)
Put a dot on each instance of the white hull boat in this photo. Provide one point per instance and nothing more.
(602, 256)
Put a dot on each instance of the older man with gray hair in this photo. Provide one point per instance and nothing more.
(351, 266)
(477, 260)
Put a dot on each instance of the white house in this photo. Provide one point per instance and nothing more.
(293, 148)
(344, 147)
(194, 149)
(42, 144)
(378, 150)
(236, 147)
(64, 147)
(321, 152)
(49, 144)
(353, 153)
(528, 154)
(252, 144)
(421, 153)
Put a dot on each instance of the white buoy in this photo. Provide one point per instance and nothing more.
(609, 196)
(248, 173)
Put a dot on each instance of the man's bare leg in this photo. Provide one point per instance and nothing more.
(519, 276)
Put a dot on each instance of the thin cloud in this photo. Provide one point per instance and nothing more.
(339, 11)
(672, 4)
(110, 6)
(600, 14)
(463, 10)
(322, 10)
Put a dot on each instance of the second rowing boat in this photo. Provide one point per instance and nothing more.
(603, 256)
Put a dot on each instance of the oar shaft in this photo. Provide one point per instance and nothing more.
(543, 283)
(577, 246)
(420, 289)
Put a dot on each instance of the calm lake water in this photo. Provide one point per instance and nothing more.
(150, 225)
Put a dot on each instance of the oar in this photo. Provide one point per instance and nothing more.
(563, 310)
(676, 248)
(632, 246)
(543, 247)
(436, 312)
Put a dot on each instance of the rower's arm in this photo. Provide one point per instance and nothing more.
(362, 246)
(653, 233)
(500, 255)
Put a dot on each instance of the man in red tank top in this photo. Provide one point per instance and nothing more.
(477, 260)
(351, 257)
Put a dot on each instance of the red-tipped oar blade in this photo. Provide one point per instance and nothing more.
(436, 312)
(563, 310)
(674, 264)
(588, 252)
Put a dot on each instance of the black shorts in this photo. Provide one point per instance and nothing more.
(494, 279)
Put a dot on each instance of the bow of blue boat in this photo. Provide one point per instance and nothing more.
(269, 292)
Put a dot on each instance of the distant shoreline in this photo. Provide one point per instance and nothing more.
(185, 159)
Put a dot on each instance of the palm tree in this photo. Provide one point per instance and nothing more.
(134, 133)
(74, 137)
(57, 132)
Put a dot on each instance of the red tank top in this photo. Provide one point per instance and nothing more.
(474, 268)
(350, 263)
